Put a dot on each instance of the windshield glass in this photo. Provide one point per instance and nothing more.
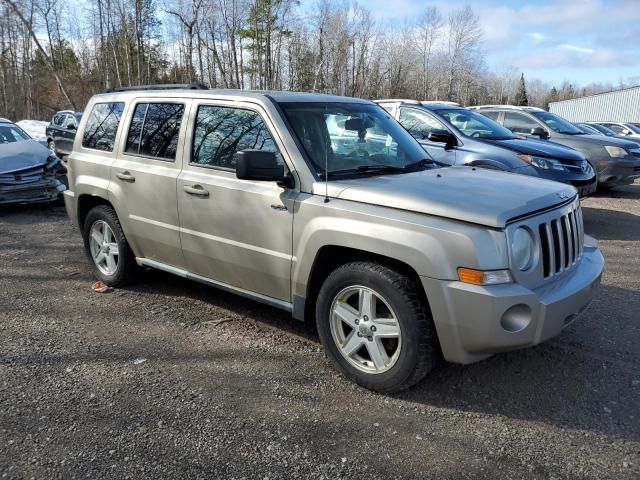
(11, 133)
(475, 125)
(557, 124)
(602, 129)
(352, 138)
(633, 127)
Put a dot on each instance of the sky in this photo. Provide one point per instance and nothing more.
(581, 41)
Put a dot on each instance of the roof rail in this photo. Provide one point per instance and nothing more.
(397, 100)
(161, 86)
(440, 102)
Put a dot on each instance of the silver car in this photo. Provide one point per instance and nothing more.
(327, 208)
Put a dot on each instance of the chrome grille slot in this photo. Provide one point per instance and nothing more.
(561, 241)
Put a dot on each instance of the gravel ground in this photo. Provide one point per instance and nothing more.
(170, 379)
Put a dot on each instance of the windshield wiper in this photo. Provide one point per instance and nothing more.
(410, 167)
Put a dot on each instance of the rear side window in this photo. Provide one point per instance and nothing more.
(221, 132)
(154, 130)
(102, 125)
(492, 115)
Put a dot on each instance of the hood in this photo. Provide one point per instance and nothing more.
(602, 140)
(24, 155)
(480, 196)
(542, 148)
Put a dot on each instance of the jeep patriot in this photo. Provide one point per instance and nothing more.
(327, 208)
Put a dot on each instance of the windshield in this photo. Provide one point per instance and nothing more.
(353, 138)
(11, 133)
(475, 125)
(602, 129)
(557, 124)
(632, 127)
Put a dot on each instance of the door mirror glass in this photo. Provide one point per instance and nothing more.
(259, 165)
(539, 132)
(441, 136)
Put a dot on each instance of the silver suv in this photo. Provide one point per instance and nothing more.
(327, 208)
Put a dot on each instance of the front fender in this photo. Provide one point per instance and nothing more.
(432, 246)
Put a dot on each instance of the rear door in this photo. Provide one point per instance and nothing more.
(236, 232)
(419, 124)
(144, 176)
(67, 134)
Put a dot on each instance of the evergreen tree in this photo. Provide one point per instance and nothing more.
(521, 96)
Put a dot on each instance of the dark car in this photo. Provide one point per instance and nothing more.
(61, 132)
(616, 161)
(29, 172)
(454, 135)
(596, 129)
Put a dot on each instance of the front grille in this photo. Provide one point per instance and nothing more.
(561, 241)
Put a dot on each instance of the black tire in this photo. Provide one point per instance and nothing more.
(419, 353)
(127, 268)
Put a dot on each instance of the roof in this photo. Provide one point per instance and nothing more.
(619, 90)
(275, 95)
(509, 107)
(4, 120)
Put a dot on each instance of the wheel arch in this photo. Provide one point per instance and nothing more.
(86, 203)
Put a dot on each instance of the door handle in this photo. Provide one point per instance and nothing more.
(126, 176)
(196, 190)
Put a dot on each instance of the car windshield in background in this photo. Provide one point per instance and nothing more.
(633, 128)
(558, 124)
(475, 125)
(353, 138)
(602, 129)
(12, 134)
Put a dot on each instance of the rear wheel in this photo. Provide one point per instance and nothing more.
(107, 248)
(376, 327)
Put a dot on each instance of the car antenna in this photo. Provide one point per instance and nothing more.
(326, 165)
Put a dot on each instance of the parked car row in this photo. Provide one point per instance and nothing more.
(327, 208)
(29, 172)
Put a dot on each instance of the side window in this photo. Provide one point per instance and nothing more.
(492, 115)
(419, 124)
(102, 125)
(616, 128)
(519, 123)
(58, 118)
(221, 132)
(154, 130)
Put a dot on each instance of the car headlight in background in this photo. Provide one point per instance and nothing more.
(542, 163)
(615, 152)
(522, 249)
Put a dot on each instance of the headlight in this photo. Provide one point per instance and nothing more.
(522, 249)
(615, 152)
(542, 163)
(52, 161)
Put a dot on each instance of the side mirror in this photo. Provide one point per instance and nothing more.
(539, 132)
(626, 132)
(260, 165)
(441, 136)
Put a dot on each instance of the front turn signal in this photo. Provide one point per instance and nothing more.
(484, 277)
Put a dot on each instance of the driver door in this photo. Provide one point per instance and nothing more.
(419, 124)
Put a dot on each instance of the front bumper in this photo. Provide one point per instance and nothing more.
(475, 322)
(45, 190)
(618, 172)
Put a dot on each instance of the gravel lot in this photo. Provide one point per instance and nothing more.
(170, 379)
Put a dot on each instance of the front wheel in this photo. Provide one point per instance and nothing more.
(376, 327)
(107, 249)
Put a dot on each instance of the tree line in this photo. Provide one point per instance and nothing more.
(56, 54)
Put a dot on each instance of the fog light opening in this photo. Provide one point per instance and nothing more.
(517, 318)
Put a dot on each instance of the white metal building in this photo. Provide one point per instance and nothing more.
(618, 106)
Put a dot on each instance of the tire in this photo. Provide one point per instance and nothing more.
(125, 264)
(398, 298)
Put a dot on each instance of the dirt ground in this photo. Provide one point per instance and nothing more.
(171, 379)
